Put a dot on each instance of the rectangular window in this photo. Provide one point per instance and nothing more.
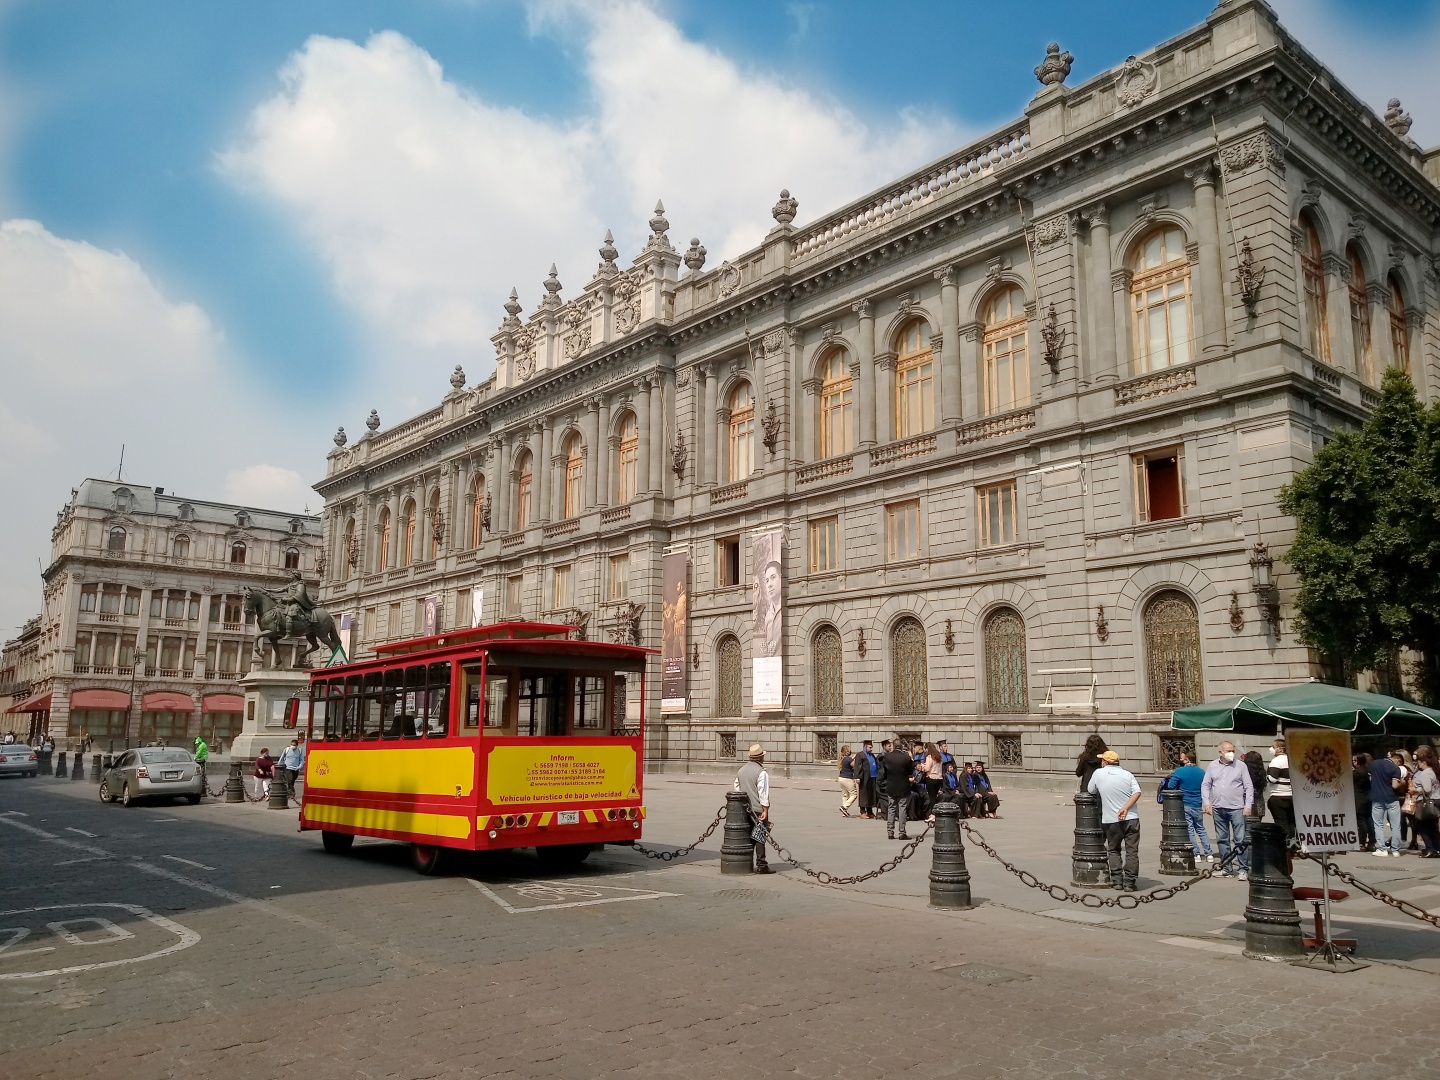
(87, 597)
(619, 577)
(522, 500)
(997, 514)
(574, 484)
(125, 660)
(540, 701)
(194, 614)
(233, 609)
(132, 601)
(175, 605)
(824, 545)
(170, 654)
(229, 656)
(902, 531)
(914, 396)
(392, 629)
(590, 703)
(1159, 485)
(110, 600)
(157, 605)
(727, 558)
(497, 697)
(437, 702)
(82, 651)
(514, 591)
(217, 604)
(104, 655)
(562, 593)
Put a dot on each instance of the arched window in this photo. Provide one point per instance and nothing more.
(117, 539)
(1399, 338)
(727, 676)
(914, 381)
(437, 525)
(523, 487)
(574, 478)
(1360, 341)
(345, 554)
(742, 432)
(907, 662)
(237, 551)
(292, 558)
(837, 406)
(1312, 268)
(385, 537)
(1007, 681)
(477, 510)
(407, 549)
(829, 673)
(1172, 652)
(180, 547)
(1007, 367)
(1160, 298)
(627, 467)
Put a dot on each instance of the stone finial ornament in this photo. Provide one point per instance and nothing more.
(695, 254)
(659, 224)
(1054, 69)
(552, 288)
(340, 437)
(608, 252)
(1397, 119)
(784, 210)
(512, 306)
(373, 420)
(457, 378)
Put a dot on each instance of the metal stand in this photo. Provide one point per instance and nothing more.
(1325, 943)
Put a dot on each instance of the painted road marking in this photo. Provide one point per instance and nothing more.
(186, 936)
(17, 935)
(1208, 946)
(87, 858)
(554, 895)
(113, 933)
(187, 862)
(82, 832)
(16, 813)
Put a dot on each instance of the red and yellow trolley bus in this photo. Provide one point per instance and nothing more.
(505, 736)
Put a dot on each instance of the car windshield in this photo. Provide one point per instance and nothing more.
(165, 757)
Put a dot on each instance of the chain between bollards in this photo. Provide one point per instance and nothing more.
(825, 878)
(667, 856)
(1415, 911)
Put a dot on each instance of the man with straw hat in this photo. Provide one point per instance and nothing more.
(754, 781)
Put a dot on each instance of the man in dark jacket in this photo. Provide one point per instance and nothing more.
(896, 768)
(866, 769)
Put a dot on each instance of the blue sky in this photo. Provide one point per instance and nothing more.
(231, 227)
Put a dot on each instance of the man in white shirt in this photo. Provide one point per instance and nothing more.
(1119, 793)
(754, 781)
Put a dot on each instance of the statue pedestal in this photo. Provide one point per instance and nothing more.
(267, 692)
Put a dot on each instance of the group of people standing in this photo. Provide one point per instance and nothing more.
(904, 786)
(1402, 792)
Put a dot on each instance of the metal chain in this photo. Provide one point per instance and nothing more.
(667, 856)
(830, 879)
(1403, 906)
(1095, 900)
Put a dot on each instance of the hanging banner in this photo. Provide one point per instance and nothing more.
(477, 606)
(1324, 793)
(430, 617)
(674, 612)
(346, 631)
(767, 557)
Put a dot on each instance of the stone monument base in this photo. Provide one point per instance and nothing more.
(267, 693)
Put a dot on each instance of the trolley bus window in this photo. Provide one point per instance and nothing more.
(354, 703)
(437, 702)
(334, 709)
(409, 716)
(318, 696)
(373, 706)
(590, 703)
(541, 705)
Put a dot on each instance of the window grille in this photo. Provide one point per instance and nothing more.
(829, 673)
(1170, 748)
(727, 744)
(827, 746)
(911, 683)
(727, 677)
(1009, 751)
(1007, 680)
(1172, 652)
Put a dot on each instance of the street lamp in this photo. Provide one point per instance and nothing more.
(1262, 576)
(137, 668)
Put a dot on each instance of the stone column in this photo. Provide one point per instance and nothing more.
(668, 410)
(722, 446)
(395, 531)
(500, 512)
(1337, 312)
(590, 432)
(1211, 333)
(457, 529)
(542, 469)
(604, 451)
(657, 432)
(885, 398)
(1382, 349)
(200, 645)
(801, 449)
(948, 393)
(810, 448)
(865, 353)
(1102, 314)
(1120, 295)
(704, 429)
(642, 421)
(971, 334)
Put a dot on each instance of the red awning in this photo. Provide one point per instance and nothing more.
(99, 699)
(167, 701)
(34, 703)
(224, 703)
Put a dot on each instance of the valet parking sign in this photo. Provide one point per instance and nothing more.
(1324, 794)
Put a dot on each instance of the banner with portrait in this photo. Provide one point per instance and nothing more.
(674, 613)
(767, 628)
(477, 606)
(1323, 789)
(430, 616)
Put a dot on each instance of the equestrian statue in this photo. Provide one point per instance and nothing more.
(290, 612)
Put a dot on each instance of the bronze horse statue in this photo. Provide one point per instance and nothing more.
(276, 621)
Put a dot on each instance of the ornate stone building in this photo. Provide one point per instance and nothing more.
(1021, 416)
(139, 575)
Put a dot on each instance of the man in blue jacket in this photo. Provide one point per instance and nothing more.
(1190, 778)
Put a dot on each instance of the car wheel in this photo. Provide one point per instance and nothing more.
(193, 800)
(558, 855)
(426, 858)
(105, 795)
(126, 799)
(338, 843)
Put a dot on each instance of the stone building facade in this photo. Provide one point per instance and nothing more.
(1021, 417)
(139, 575)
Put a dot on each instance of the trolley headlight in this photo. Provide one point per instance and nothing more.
(493, 834)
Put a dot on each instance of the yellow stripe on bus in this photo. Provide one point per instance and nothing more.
(430, 770)
(366, 817)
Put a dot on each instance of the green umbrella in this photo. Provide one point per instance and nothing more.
(1310, 704)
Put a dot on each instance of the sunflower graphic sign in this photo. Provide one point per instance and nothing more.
(1324, 793)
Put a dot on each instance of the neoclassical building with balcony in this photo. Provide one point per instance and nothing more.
(143, 628)
(1021, 416)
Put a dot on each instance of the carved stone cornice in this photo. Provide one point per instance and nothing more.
(1050, 231)
(1260, 150)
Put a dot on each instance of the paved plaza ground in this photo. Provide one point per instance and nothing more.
(217, 941)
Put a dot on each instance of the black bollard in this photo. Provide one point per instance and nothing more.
(1272, 923)
(77, 771)
(234, 785)
(45, 764)
(949, 880)
(1177, 857)
(95, 770)
(1088, 864)
(279, 791)
(60, 771)
(737, 850)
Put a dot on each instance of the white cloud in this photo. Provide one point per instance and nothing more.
(271, 486)
(428, 202)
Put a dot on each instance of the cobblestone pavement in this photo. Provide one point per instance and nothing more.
(216, 941)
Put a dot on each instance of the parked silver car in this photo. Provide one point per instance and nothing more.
(17, 759)
(152, 772)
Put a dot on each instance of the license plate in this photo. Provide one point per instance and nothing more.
(172, 776)
(568, 817)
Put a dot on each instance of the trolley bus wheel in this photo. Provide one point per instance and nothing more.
(426, 858)
(337, 843)
(563, 854)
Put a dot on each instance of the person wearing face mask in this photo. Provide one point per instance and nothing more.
(1227, 795)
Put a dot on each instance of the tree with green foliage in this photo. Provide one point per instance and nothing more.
(1367, 539)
